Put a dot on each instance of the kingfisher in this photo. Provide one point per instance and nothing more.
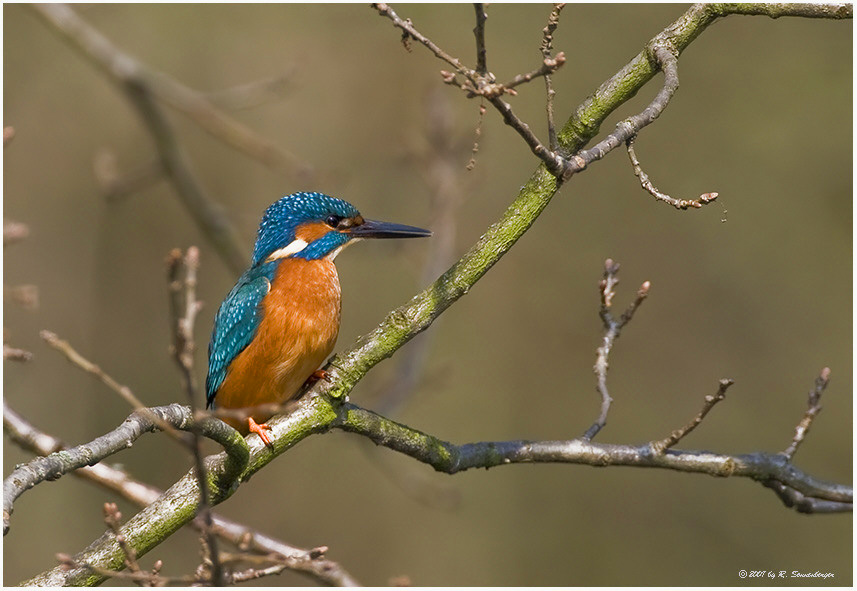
(281, 319)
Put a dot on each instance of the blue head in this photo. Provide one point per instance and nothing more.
(314, 226)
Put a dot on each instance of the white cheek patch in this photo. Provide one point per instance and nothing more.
(333, 253)
(293, 248)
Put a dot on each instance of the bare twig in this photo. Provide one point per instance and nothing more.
(124, 392)
(407, 27)
(612, 329)
(659, 447)
(321, 569)
(113, 517)
(183, 310)
(317, 414)
(142, 578)
(547, 51)
(703, 199)
(13, 354)
(814, 407)
(450, 458)
(479, 33)
(548, 66)
(484, 84)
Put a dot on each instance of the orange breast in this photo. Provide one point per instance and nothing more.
(297, 333)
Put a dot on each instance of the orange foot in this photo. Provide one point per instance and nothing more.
(317, 375)
(259, 430)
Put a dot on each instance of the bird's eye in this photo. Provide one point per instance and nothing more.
(332, 220)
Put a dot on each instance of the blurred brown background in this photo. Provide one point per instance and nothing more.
(763, 117)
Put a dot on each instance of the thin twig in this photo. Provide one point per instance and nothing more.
(143, 578)
(13, 354)
(703, 199)
(183, 310)
(485, 85)
(659, 447)
(113, 519)
(548, 66)
(123, 391)
(407, 27)
(813, 408)
(479, 33)
(547, 50)
(794, 499)
(612, 329)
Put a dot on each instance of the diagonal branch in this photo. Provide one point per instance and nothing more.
(666, 61)
(320, 568)
(121, 68)
(813, 408)
(132, 80)
(62, 462)
(659, 447)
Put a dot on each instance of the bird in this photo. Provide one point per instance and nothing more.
(280, 321)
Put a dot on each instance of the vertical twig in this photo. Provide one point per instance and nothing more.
(814, 407)
(479, 33)
(612, 329)
(183, 310)
(547, 49)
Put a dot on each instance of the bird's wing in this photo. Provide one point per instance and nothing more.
(234, 326)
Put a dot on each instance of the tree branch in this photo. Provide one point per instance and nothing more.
(308, 562)
(139, 422)
(134, 81)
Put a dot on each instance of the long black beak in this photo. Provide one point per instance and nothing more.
(376, 229)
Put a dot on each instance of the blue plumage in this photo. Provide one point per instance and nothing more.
(236, 323)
